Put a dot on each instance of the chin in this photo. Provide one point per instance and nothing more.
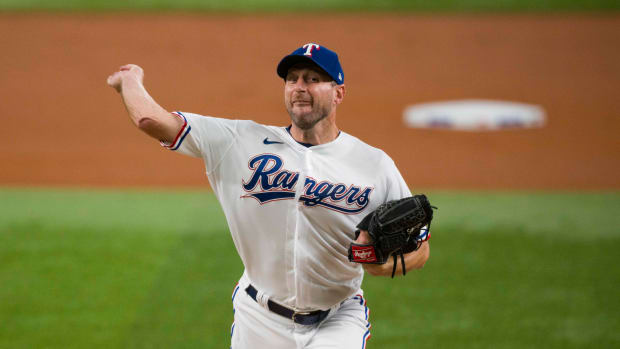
(306, 122)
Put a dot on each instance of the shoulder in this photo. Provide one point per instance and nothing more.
(365, 150)
(234, 123)
(251, 125)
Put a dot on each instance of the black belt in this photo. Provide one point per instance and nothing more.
(302, 318)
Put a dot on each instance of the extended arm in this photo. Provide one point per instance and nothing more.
(145, 113)
(413, 260)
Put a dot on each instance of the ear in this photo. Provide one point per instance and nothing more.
(339, 91)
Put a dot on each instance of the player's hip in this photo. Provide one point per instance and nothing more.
(346, 325)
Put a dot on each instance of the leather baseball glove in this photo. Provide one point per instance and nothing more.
(396, 227)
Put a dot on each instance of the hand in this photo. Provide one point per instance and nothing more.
(373, 269)
(414, 260)
(364, 238)
(126, 72)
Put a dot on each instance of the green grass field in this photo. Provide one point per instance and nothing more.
(317, 5)
(150, 269)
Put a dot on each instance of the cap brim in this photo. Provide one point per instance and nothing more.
(287, 62)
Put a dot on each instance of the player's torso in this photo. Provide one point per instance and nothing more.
(292, 211)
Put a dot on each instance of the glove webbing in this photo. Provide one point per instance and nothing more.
(402, 257)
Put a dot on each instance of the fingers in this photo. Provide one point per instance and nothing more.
(116, 79)
(112, 79)
(129, 67)
(132, 68)
(364, 238)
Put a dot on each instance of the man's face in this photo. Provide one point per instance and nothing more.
(308, 95)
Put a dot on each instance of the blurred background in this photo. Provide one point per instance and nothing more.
(107, 240)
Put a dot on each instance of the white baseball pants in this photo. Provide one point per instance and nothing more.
(255, 327)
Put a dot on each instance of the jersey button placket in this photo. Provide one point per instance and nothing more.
(297, 245)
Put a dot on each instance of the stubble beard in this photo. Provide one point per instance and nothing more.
(307, 121)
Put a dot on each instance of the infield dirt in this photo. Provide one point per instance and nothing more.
(62, 125)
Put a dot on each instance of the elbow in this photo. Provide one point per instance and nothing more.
(151, 127)
(146, 124)
(162, 128)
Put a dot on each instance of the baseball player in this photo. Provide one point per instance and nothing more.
(292, 197)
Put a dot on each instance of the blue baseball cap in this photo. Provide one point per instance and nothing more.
(320, 56)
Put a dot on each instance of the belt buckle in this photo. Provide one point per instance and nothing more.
(296, 313)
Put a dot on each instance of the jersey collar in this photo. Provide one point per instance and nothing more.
(307, 145)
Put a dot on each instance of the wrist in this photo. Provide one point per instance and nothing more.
(131, 82)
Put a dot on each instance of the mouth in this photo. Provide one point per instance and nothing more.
(302, 102)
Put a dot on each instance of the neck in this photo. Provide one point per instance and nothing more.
(324, 131)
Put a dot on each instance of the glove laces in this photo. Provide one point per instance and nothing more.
(402, 256)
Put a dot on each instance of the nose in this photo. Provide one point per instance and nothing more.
(300, 85)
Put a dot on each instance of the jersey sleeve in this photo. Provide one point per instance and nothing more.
(205, 137)
(396, 186)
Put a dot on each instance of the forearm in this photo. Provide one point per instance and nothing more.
(145, 113)
(413, 260)
(139, 104)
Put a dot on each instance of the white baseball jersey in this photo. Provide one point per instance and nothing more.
(292, 209)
